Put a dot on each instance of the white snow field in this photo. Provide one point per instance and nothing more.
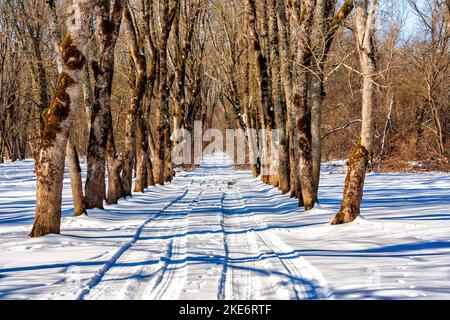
(217, 233)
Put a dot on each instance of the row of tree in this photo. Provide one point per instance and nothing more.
(115, 80)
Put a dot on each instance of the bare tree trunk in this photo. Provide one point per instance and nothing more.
(317, 86)
(359, 159)
(162, 119)
(253, 106)
(115, 166)
(2, 148)
(437, 122)
(325, 27)
(101, 122)
(73, 163)
(300, 99)
(317, 92)
(296, 191)
(58, 116)
(145, 143)
(286, 71)
(183, 51)
(168, 175)
(263, 76)
(150, 177)
(385, 131)
(55, 33)
(42, 82)
(141, 157)
(135, 104)
(251, 132)
(279, 103)
(87, 95)
(269, 113)
(162, 114)
(88, 92)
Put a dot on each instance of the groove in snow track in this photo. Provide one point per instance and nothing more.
(97, 278)
(224, 289)
(307, 282)
(165, 284)
(241, 278)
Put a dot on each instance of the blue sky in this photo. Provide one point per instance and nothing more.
(403, 9)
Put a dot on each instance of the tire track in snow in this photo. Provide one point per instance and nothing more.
(134, 289)
(244, 280)
(307, 282)
(205, 243)
(223, 288)
(98, 277)
(165, 286)
(251, 261)
(143, 281)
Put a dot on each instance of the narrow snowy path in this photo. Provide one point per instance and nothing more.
(206, 244)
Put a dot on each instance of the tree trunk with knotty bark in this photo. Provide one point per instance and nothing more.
(279, 103)
(57, 122)
(303, 27)
(73, 162)
(265, 112)
(359, 159)
(101, 120)
(135, 103)
(162, 112)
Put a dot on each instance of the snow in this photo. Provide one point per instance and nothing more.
(218, 233)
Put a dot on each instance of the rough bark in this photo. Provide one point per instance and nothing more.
(325, 28)
(353, 192)
(162, 119)
(57, 121)
(262, 70)
(286, 48)
(73, 163)
(55, 33)
(271, 151)
(182, 54)
(317, 86)
(142, 168)
(168, 171)
(279, 103)
(144, 142)
(150, 177)
(249, 122)
(115, 166)
(162, 113)
(135, 103)
(302, 26)
(359, 160)
(101, 121)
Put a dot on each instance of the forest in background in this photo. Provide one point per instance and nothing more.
(413, 83)
(147, 68)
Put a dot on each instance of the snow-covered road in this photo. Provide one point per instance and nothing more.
(206, 244)
(217, 233)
